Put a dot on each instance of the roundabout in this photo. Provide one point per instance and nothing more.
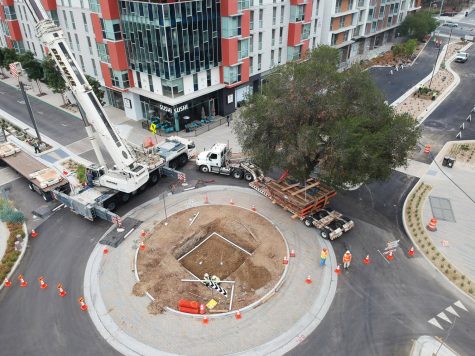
(133, 292)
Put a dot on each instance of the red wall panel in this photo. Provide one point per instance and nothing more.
(106, 75)
(2, 14)
(49, 5)
(131, 79)
(15, 32)
(245, 70)
(110, 9)
(9, 42)
(117, 55)
(229, 7)
(295, 34)
(308, 11)
(8, 2)
(96, 25)
(229, 51)
(245, 23)
(296, 2)
(305, 45)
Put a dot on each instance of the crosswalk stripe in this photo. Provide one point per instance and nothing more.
(434, 322)
(459, 304)
(444, 317)
(451, 310)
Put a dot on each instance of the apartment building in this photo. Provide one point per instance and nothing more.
(357, 27)
(184, 60)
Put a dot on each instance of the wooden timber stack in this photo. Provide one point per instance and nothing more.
(301, 199)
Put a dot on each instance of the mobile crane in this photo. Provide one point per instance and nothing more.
(131, 171)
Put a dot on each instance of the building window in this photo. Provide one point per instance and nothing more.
(77, 42)
(232, 74)
(65, 19)
(120, 79)
(72, 20)
(89, 44)
(243, 49)
(305, 31)
(243, 4)
(70, 41)
(81, 61)
(272, 58)
(381, 12)
(273, 38)
(231, 26)
(280, 56)
(282, 13)
(281, 35)
(251, 64)
(334, 39)
(342, 21)
(111, 29)
(259, 47)
(261, 17)
(297, 13)
(251, 21)
(94, 69)
(251, 43)
(103, 52)
(338, 5)
(259, 61)
(84, 21)
(274, 15)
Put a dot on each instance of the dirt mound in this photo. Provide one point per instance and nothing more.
(234, 244)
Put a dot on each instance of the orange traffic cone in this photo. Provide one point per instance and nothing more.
(206, 199)
(231, 201)
(390, 256)
(432, 225)
(202, 309)
(83, 305)
(23, 283)
(33, 233)
(61, 291)
(427, 149)
(106, 251)
(366, 260)
(292, 253)
(205, 320)
(308, 280)
(43, 284)
(7, 283)
(142, 246)
(285, 261)
(142, 233)
(237, 315)
(338, 269)
(411, 251)
(253, 207)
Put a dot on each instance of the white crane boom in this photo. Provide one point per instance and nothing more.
(127, 175)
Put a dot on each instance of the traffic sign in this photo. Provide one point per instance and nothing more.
(153, 128)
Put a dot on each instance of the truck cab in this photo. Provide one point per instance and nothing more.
(213, 160)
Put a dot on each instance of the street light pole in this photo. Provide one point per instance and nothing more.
(448, 43)
(441, 7)
(28, 106)
(443, 341)
(435, 65)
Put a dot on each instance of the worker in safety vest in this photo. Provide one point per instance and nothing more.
(346, 260)
(323, 256)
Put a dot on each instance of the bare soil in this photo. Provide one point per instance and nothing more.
(179, 251)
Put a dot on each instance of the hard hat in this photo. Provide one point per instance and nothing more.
(347, 252)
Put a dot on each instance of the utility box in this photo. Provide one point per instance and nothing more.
(448, 162)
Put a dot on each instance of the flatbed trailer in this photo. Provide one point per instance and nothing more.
(42, 179)
(299, 199)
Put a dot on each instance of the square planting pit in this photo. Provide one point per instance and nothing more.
(215, 255)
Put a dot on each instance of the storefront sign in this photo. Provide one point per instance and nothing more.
(176, 110)
(127, 103)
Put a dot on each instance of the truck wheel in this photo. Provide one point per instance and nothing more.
(142, 188)
(153, 179)
(173, 164)
(324, 234)
(248, 176)
(182, 160)
(237, 174)
(308, 222)
(30, 185)
(125, 197)
(46, 196)
(204, 169)
(111, 205)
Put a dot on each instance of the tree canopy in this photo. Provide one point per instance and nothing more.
(311, 116)
(32, 67)
(53, 77)
(7, 56)
(418, 25)
(96, 87)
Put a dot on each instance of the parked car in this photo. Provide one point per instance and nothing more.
(450, 24)
(461, 57)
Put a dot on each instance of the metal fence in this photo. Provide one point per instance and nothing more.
(196, 131)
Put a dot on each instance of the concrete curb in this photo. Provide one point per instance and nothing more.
(124, 343)
(408, 233)
(426, 345)
(22, 253)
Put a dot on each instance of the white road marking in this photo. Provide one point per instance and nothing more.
(434, 322)
(451, 310)
(459, 304)
(444, 317)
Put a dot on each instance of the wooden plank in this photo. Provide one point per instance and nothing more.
(291, 186)
(305, 188)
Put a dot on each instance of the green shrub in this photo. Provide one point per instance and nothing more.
(81, 174)
(470, 290)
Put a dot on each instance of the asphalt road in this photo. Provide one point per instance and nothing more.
(393, 86)
(54, 123)
(381, 308)
(444, 123)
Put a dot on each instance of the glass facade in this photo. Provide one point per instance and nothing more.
(171, 40)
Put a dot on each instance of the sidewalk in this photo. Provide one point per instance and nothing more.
(428, 346)
(455, 214)
(4, 234)
(284, 320)
(129, 129)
